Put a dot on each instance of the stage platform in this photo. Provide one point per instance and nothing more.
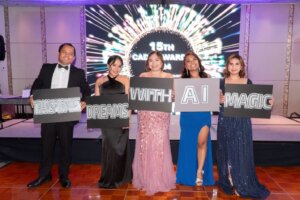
(277, 128)
(276, 140)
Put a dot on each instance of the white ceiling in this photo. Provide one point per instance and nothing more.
(120, 2)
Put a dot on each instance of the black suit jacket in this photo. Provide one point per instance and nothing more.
(76, 79)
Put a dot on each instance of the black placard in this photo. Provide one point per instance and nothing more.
(151, 94)
(247, 100)
(56, 105)
(107, 111)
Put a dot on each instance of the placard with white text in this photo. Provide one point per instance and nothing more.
(56, 105)
(107, 111)
(201, 94)
(151, 94)
(248, 100)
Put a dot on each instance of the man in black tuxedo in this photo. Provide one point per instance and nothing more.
(60, 75)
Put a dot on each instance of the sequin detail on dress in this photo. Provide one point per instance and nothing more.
(152, 166)
(235, 156)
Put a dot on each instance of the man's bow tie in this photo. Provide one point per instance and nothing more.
(63, 66)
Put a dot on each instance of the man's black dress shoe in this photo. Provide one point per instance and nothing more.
(39, 181)
(64, 182)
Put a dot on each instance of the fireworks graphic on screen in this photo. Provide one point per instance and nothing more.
(132, 31)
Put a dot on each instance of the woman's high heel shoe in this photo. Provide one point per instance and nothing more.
(199, 181)
(235, 192)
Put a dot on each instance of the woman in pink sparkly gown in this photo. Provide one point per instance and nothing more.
(152, 165)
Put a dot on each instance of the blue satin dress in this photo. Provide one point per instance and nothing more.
(187, 165)
(235, 154)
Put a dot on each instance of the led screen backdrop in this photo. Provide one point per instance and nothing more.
(132, 31)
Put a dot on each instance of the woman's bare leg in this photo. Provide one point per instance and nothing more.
(202, 148)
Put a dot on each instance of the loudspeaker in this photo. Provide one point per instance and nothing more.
(2, 48)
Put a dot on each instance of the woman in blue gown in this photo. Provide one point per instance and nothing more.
(194, 166)
(236, 169)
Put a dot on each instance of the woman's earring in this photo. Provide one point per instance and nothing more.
(187, 71)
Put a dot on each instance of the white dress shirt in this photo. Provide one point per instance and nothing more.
(60, 78)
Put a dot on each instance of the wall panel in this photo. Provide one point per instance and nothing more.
(25, 45)
(62, 24)
(3, 64)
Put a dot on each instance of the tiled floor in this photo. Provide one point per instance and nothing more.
(283, 182)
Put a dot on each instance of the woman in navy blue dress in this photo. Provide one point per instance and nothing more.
(236, 169)
(194, 166)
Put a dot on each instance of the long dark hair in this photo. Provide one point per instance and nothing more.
(112, 59)
(186, 74)
(158, 55)
(242, 72)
